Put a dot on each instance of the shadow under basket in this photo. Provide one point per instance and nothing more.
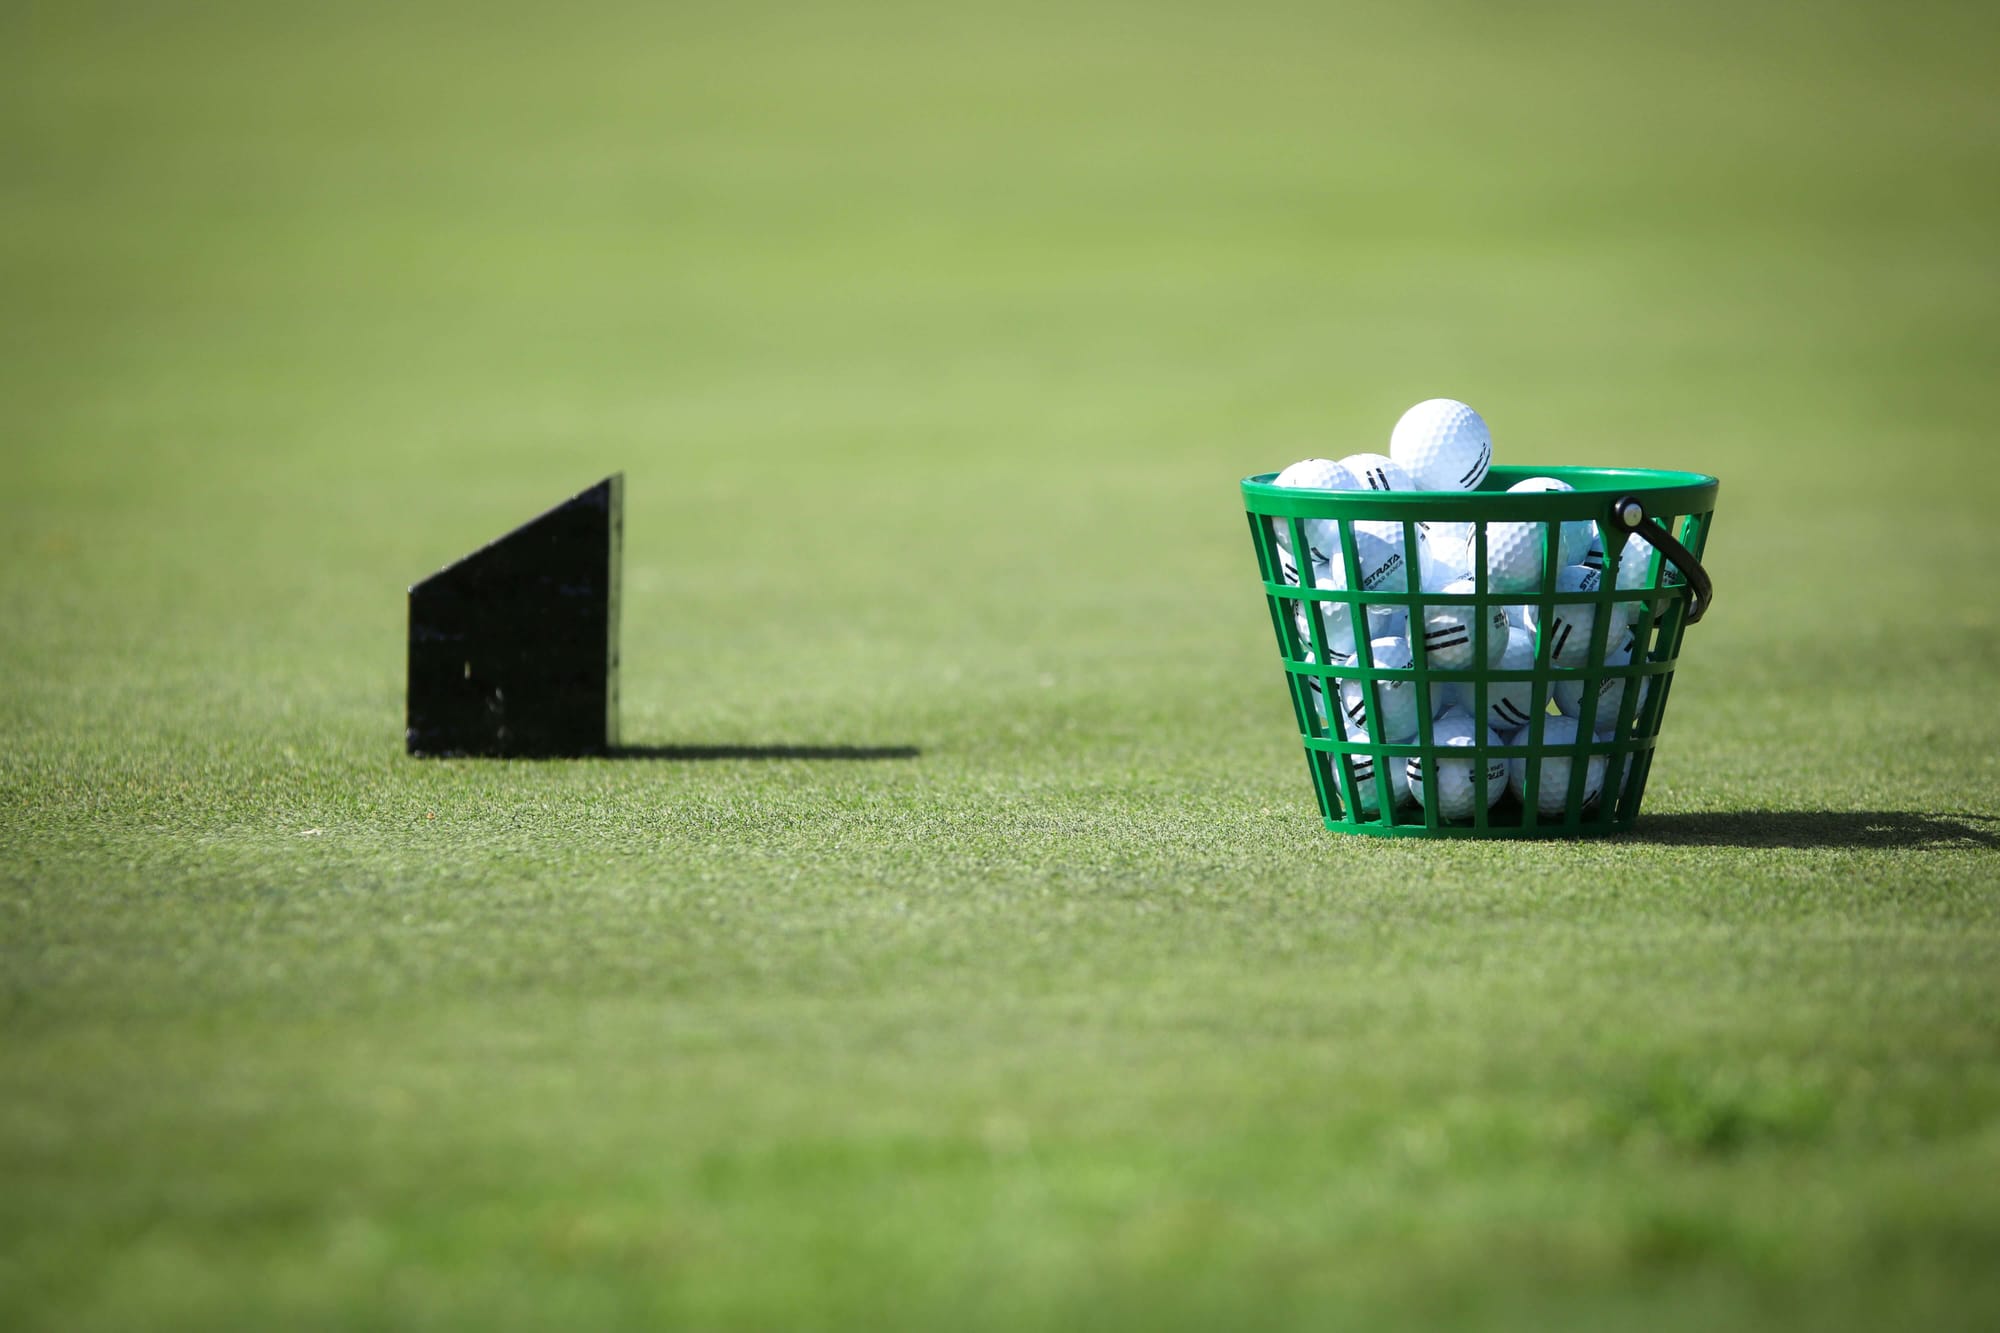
(1483, 664)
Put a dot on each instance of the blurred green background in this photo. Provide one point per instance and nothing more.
(933, 341)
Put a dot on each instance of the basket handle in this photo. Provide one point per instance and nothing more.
(1627, 515)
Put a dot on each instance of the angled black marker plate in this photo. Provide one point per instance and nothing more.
(514, 649)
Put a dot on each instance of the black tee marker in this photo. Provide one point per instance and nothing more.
(514, 649)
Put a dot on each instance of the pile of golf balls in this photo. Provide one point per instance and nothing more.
(1443, 445)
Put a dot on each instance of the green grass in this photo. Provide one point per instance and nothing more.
(933, 342)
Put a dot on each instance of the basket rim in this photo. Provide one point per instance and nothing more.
(1662, 492)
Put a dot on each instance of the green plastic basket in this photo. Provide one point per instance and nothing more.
(1346, 748)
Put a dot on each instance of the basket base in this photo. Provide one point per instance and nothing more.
(1501, 823)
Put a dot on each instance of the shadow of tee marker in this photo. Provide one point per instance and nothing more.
(698, 753)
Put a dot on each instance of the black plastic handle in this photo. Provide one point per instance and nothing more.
(1628, 516)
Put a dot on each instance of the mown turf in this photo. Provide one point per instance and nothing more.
(933, 344)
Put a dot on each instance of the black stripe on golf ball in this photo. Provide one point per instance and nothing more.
(1561, 641)
(1510, 711)
(1472, 473)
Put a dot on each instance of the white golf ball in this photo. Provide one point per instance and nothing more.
(1610, 690)
(1443, 445)
(1375, 472)
(1316, 696)
(1641, 568)
(1629, 762)
(1457, 794)
(1508, 702)
(1577, 534)
(1316, 688)
(1386, 619)
(1636, 563)
(1387, 535)
(1383, 567)
(1446, 556)
(1513, 557)
(1448, 632)
(1288, 568)
(1334, 616)
(1362, 768)
(1334, 619)
(1551, 794)
(1570, 623)
(1313, 474)
(1338, 618)
(1316, 474)
(1386, 622)
(1395, 699)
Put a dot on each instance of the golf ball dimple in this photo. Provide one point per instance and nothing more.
(1513, 557)
(1447, 550)
(1443, 445)
(1316, 474)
